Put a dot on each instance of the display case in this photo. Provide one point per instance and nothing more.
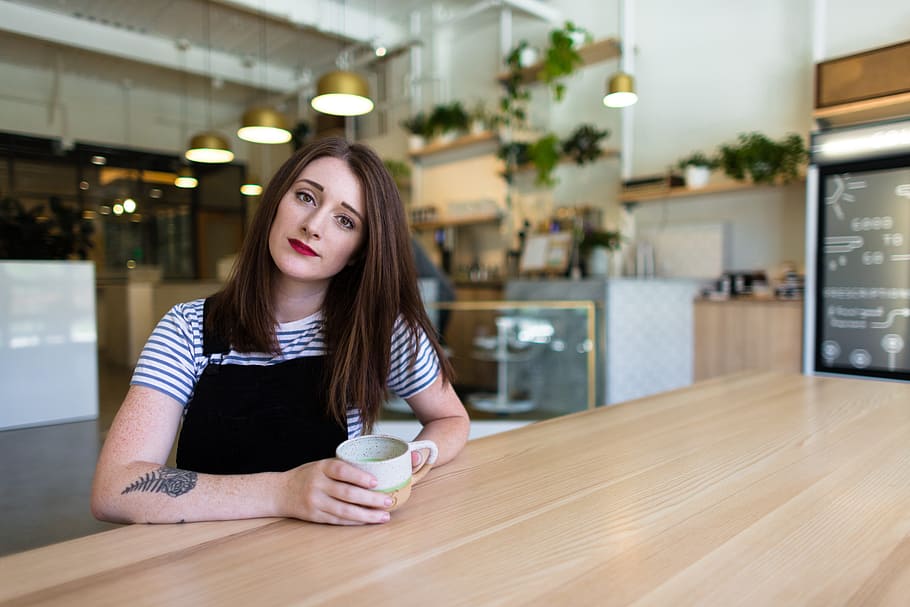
(519, 359)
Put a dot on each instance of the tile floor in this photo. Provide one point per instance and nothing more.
(47, 470)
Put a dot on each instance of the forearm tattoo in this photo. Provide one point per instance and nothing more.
(164, 480)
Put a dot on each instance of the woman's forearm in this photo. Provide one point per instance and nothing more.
(450, 435)
(145, 492)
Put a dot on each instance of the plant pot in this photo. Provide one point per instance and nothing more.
(445, 138)
(599, 261)
(528, 56)
(416, 142)
(697, 177)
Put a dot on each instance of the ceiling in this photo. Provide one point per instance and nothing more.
(275, 45)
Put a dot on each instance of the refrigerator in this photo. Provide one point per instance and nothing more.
(857, 314)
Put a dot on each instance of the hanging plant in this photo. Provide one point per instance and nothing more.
(583, 145)
(561, 57)
(545, 153)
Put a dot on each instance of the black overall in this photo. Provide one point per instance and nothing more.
(252, 418)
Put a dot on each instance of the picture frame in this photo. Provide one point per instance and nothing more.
(546, 254)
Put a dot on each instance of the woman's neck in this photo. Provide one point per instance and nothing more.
(294, 301)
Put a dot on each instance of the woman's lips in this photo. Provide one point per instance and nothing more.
(302, 248)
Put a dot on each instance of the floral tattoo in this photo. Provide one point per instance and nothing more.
(164, 480)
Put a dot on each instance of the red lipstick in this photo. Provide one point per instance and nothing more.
(302, 248)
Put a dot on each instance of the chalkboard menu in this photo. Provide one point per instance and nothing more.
(863, 299)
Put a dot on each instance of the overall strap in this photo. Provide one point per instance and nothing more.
(212, 343)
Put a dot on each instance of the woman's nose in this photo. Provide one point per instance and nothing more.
(312, 226)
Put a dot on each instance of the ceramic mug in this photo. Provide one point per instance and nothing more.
(388, 458)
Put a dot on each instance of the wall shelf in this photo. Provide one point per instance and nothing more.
(564, 160)
(869, 110)
(461, 142)
(454, 222)
(596, 52)
(684, 192)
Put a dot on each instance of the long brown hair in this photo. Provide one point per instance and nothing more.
(363, 301)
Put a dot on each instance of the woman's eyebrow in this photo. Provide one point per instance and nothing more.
(352, 210)
(315, 184)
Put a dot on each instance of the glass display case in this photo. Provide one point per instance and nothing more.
(517, 359)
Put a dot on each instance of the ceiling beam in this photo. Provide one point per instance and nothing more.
(329, 17)
(61, 29)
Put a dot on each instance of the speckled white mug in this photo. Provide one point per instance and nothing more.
(388, 458)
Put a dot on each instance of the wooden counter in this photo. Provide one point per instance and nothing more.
(755, 489)
(747, 334)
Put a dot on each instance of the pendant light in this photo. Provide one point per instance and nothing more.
(342, 92)
(185, 178)
(209, 146)
(620, 90)
(621, 86)
(263, 124)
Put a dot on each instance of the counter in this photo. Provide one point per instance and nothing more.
(755, 489)
(644, 329)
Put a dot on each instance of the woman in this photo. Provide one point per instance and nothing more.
(320, 317)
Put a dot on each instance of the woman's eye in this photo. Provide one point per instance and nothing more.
(346, 222)
(305, 197)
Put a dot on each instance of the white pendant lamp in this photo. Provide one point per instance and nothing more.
(342, 93)
(263, 125)
(620, 91)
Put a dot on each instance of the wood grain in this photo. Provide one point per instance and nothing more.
(755, 489)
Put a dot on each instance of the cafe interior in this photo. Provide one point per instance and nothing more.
(572, 169)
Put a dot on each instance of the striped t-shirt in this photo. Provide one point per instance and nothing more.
(172, 360)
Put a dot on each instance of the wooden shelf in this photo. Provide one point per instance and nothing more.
(869, 110)
(606, 153)
(460, 142)
(454, 222)
(596, 52)
(684, 192)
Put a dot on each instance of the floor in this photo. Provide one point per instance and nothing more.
(47, 471)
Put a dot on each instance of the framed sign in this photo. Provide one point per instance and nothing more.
(546, 253)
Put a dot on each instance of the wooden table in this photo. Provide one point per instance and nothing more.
(761, 489)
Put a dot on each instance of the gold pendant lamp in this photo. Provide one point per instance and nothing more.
(185, 178)
(209, 146)
(342, 93)
(263, 124)
(620, 90)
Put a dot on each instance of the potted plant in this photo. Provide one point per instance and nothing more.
(583, 145)
(756, 157)
(561, 56)
(596, 246)
(513, 154)
(479, 119)
(418, 126)
(446, 121)
(697, 168)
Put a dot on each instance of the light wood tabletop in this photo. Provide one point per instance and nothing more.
(754, 489)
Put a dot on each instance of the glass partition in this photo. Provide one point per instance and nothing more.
(517, 359)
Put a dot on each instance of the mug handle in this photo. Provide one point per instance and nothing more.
(428, 462)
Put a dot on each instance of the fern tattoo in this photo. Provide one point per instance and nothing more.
(164, 480)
